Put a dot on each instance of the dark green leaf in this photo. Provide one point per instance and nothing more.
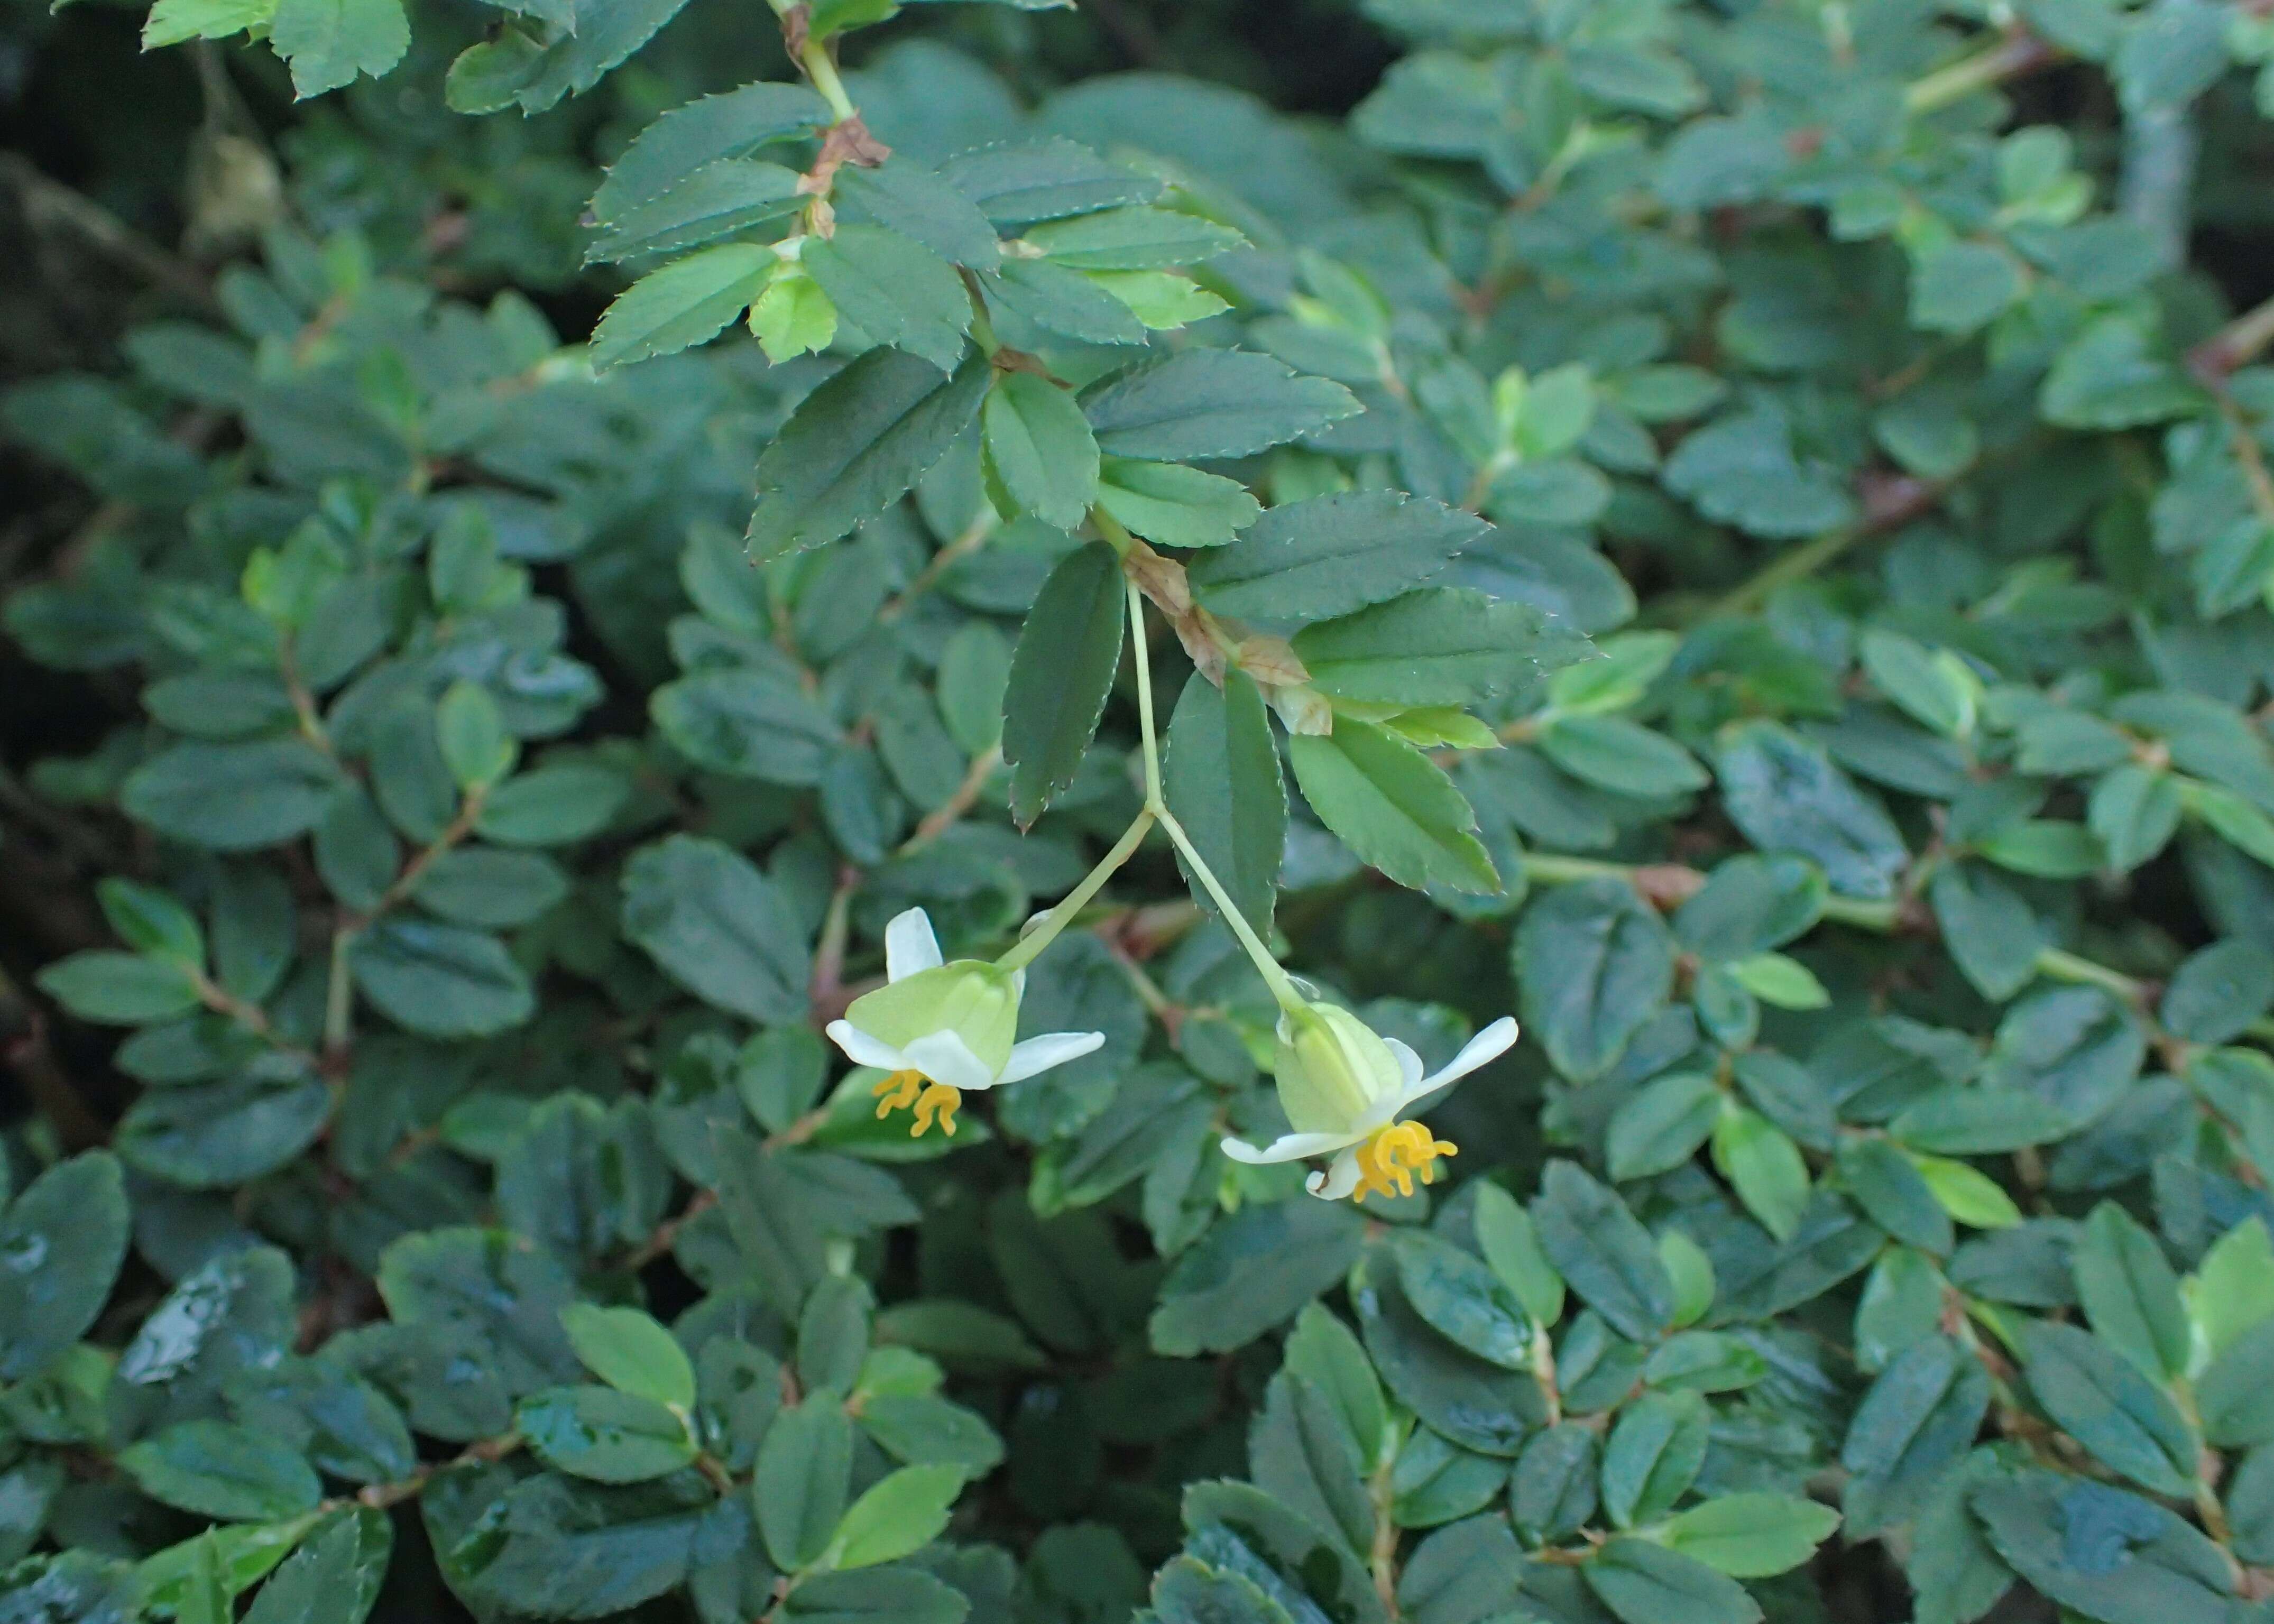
(218, 1470)
(1329, 555)
(1653, 1456)
(1249, 1273)
(718, 926)
(858, 443)
(61, 1245)
(1786, 795)
(1645, 1584)
(1039, 449)
(2109, 1554)
(602, 1434)
(1596, 966)
(803, 1477)
(1210, 403)
(1061, 675)
(2109, 1406)
(1221, 773)
(1606, 1254)
(232, 797)
(442, 981)
(1392, 806)
(894, 290)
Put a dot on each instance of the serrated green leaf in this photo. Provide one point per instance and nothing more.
(1210, 403)
(1392, 806)
(1039, 447)
(1329, 555)
(894, 290)
(857, 444)
(687, 302)
(1060, 676)
(1220, 773)
(329, 42)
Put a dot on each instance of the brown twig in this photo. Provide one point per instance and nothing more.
(944, 816)
(46, 201)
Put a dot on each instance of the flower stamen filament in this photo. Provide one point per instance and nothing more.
(913, 1091)
(932, 1102)
(897, 1092)
(1389, 1159)
(938, 1101)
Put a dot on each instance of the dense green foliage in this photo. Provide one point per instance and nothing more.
(1738, 531)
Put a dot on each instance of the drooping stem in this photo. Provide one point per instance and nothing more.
(1283, 991)
(1153, 801)
(1030, 946)
(1274, 977)
(1156, 810)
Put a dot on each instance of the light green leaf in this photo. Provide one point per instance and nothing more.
(2234, 1286)
(1774, 979)
(172, 21)
(899, 1513)
(1752, 1535)
(1505, 1235)
(1765, 1167)
(631, 1352)
(1934, 686)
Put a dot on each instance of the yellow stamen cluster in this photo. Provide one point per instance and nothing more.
(932, 1102)
(1394, 1154)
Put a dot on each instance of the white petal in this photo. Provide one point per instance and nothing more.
(909, 945)
(1289, 1147)
(945, 1057)
(1338, 1181)
(1486, 1047)
(1409, 1065)
(861, 1049)
(1050, 1049)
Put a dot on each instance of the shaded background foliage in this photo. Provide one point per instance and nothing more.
(1889, 910)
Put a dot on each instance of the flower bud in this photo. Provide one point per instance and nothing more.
(1333, 1070)
(975, 1001)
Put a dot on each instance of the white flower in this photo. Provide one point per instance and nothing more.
(1343, 1085)
(942, 1030)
